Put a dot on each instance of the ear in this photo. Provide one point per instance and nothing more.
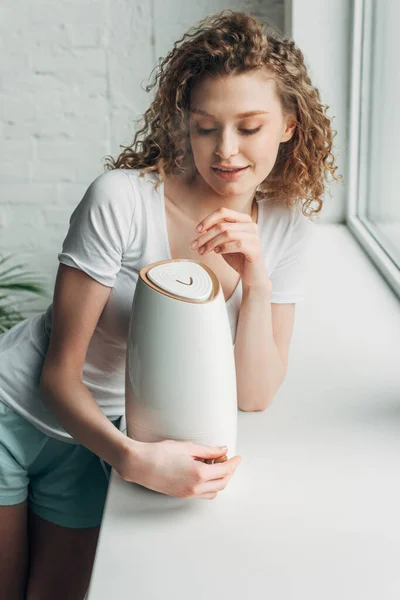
(290, 126)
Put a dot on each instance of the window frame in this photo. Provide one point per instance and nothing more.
(364, 230)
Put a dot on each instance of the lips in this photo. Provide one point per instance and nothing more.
(220, 167)
(229, 175)
(230, 170)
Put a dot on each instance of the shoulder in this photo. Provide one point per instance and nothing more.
(109, 202)
(118, 189)
(283, 221)
(301, 224)
(104, 218)
(115, 180)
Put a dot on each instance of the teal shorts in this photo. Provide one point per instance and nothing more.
(64, 483)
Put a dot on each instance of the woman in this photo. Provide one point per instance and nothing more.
(231, 96)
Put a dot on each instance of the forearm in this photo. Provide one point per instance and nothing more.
(260, 369)
(75, 408)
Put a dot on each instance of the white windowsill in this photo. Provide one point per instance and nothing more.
(313, 509)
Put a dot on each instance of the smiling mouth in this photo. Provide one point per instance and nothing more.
(228, 170)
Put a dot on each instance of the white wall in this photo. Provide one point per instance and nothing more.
(322, 30)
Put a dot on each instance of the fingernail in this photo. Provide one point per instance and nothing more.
(199, 227)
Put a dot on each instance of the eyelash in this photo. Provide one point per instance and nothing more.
(246, 131)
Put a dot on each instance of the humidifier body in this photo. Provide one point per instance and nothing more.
(180, 366)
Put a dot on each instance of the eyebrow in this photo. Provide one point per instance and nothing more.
(239, 116)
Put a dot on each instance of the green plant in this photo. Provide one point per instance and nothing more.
(14, 280)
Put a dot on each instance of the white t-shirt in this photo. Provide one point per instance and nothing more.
(117, 228)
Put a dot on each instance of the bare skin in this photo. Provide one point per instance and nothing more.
(41, 557)
(182, 229)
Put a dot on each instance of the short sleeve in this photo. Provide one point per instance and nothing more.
(288, 277)
(100, 228)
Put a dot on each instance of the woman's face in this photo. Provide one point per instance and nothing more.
(219, 136)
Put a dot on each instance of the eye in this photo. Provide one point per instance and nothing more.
(245, 131)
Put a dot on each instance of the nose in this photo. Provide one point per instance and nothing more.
(227, 145)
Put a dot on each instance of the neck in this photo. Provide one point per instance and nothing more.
(202, 200)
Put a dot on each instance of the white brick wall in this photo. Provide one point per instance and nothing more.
(71, 83)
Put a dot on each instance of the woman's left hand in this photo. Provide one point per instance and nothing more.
(235, 236)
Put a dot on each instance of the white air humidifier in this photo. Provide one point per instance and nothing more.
(180, 365)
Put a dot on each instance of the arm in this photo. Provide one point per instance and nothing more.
(77, 305)
(261, 347)
(168, 466)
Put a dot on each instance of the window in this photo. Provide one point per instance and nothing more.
(373, 207)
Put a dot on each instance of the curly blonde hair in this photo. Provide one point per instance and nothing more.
(226, 43)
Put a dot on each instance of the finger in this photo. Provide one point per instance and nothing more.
(242, 242)
(226, 214)
(216, 230)
(245, 246)
(219, 470)
(211, 461)
(199, 451)
(214, 485)
(207, 496)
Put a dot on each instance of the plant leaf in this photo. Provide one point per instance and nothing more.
(16, 283)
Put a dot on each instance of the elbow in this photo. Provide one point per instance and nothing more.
(59, 373)
(43, 382)
(53, 380)
(256, 408)
(50, 374)
(247, 405)
(45, 387)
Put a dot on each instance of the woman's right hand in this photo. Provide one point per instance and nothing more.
(177, 469)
